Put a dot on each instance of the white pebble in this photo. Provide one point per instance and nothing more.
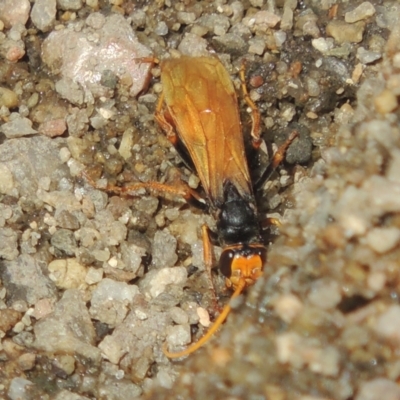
(287, 307)
(383, 239)
(204, 317)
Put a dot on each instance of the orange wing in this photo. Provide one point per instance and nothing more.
(202, 102)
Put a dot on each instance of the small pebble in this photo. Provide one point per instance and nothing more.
(185, 18)
(53, 128)
(287, 19)
(164, 249)
(6, 180)
(387, 323)
(95, 20)
(310, 28)
(126, 144)
(385, 102)
(94, 275)
(65, 363)
(323, 44)
(67, 273)
(204, 316)
(280, 37)
(161, 28)
(110, 300)
(69, 4)
(288, 307)
(8, 319)
(179, 316)
(178, 335)
(325, 294)
(378, 388)
(14, 12)
(366, 56)
(300, 352)
(19, 389)
(27, 361)
(165, 380)
(42, 308)
(18, 327)
(156, 281)
(262, 20)
(8, 98)
(376, 281)
(363, 11)
(383, 240)
(17, 127)
(343, 32)
(257, 45)
(69, 329)
(43, 14)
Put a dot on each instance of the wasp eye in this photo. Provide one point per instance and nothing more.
(225, 262)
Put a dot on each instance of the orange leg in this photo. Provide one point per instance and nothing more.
(280, 153)
(255, 113)
(273, 221)
(218, 322)
(179, 189)
(209, 261)
(207, 248)
(159, 116)
(276, 160)
(267, 222)
(148, 60)
(255, 116)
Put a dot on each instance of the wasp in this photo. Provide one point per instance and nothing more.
(198, 111)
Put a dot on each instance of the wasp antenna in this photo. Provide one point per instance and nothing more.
(218, 322)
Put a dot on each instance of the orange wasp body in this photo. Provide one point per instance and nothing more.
(201, 118)
(201, 105)
(198, 111)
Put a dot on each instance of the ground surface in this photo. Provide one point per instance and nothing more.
(93, 283)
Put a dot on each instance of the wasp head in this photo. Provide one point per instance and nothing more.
(242, 263)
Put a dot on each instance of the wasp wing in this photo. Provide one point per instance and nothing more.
(202, 102)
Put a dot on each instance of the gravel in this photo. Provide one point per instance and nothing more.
(17, 127)
(93, 282)
(362, 11)
(43, 14)
(68, 329)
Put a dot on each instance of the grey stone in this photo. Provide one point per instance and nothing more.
(68, 329)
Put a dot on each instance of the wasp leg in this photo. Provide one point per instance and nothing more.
(162, 116)
(255, 113)
(209, 261)
(192, 196)
(147, 60)
(159, 115)
(204, 339)
(267, 222)
(178, 189)
(280, 153)
(276, 160)
(207, 248)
